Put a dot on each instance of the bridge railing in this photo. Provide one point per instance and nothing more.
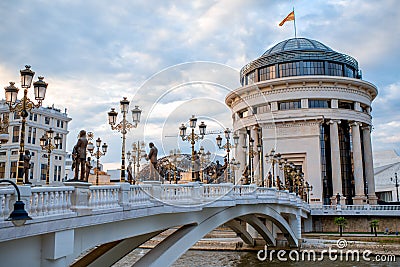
(46, 201)
(214, 191)
(104, 196)
(6, 194)
(84, 199)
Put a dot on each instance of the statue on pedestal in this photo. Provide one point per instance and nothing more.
(80, 156)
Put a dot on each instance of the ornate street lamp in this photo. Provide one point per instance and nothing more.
(273, 158)
(98, 154)
(23, 107)
(252, 153)
(124, 126)
(138, 152)
(192, 137)
(19, 215)
(227, 146)
(234, 165)
(46, 144)
(176, 158)
(204, 160)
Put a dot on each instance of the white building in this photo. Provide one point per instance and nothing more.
(37, 123)
(309, 103)
(387, 166)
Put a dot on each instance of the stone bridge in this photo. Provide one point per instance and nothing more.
(109, 221)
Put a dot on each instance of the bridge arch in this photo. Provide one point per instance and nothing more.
(172, 247)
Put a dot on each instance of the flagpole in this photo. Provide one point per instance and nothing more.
(294, 24)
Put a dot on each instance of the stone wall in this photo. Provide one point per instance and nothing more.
(355, 223)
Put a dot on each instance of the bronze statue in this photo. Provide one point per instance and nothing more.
(81, 155)
(87, 169)
(153, 161)
(27, 166)
(129, 170)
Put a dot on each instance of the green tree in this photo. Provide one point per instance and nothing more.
(341, 222)
(374, 225)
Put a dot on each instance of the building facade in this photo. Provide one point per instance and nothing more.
(308, 103)
(37, 123)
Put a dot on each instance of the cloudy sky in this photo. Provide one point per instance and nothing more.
(177, 58)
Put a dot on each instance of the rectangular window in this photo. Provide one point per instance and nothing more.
(55, 173)
(46, 120)
(335, 69)
(266, 73)
(30, 116)
(29, 135)
(13, 171)
(345, 105)
(264, 108)
(348, 71)
(16, 116)
(250, 77)
(243, 113)
(34, 117)
(289, 105)
(15, 137)
(289, 69)
(59, 174)
(62, 124)
(58, 123)
(60, 146)
(2, 169)
(313, 103)
(43, 171)
(34, 136)
(313, 68)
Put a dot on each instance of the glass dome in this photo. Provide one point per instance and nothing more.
(293, 44)
(299, 57)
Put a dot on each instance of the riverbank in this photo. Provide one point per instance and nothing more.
(226, 240)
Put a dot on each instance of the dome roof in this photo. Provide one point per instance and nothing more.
(297, 44)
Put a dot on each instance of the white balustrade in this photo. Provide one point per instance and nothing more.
(240, 191)
(139, 194)
(177, 192)
(103, 196)
(5, 197)
(214, 191)
(50, 201)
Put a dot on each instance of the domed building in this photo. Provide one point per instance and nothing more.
(303, 103)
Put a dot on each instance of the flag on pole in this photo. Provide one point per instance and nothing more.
(289, 17)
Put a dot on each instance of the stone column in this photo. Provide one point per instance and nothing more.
(359, 197)
(256, 159)
(240, 154)
(369, 165)
(335, 161)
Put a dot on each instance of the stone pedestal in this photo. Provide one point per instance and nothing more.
(80, 198)
(372, 199)
(359, 200)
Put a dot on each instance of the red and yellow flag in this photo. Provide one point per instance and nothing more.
(288, 18)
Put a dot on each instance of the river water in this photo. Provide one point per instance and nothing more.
(198, 258)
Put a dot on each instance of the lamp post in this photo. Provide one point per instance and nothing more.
(46, 144)
(123, 127)
(24, 106)
(227, 146)
(234, 166)
(252, 153)
(175, 155)
(273, 158)
(138, 152)
(192, 137)
(19, 215)
(98, 154)
(396, 184)
(204, 161)
(308, 188)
